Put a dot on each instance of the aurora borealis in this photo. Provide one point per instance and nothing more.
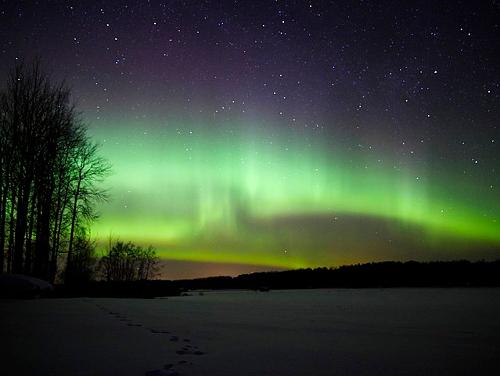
(284, 134)
(232, 191)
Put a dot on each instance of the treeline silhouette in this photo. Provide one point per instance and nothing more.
(371, 275)
(379, 274)
(49, 175)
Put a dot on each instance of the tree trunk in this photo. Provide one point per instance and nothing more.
(10, 249)
(72, 228)
(58, 225)
(28, 260)
(42, 241)
(21, 227)
(3, 211)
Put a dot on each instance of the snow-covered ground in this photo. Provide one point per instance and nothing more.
(315, 332)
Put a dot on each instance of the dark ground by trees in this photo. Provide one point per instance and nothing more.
(50, 172)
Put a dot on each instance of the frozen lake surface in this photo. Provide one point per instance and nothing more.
(300, 332)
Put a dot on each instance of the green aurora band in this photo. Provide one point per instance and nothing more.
(276, 197)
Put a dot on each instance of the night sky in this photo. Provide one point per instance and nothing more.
(250, 135)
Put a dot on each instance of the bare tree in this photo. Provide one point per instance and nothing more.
(84, 260)
(128, 262)
(50, 173)
(88, 170)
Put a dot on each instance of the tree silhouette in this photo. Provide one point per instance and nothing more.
(82, 268)
(128, 262)
(49, 173)
(87, 170)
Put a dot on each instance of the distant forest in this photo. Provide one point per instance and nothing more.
(378, 274)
